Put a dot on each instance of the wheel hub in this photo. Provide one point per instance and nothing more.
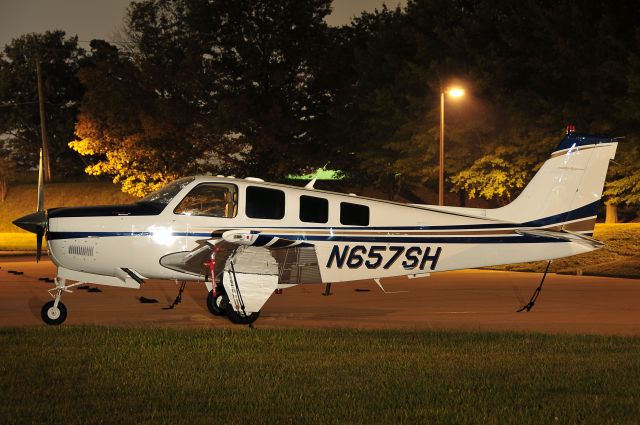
(53, 313)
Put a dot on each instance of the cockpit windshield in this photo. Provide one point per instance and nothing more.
(166, 194)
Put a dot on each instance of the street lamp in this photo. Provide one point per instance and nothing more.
(454, 92)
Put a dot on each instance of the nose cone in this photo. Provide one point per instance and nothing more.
(34, 223)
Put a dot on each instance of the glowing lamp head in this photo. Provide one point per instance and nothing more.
(455, 92)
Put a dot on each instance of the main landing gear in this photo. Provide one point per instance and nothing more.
(218, 298)
(55, 312)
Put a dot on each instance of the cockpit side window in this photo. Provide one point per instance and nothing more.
(210, 200)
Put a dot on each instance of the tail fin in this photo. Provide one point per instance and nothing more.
(567, 189)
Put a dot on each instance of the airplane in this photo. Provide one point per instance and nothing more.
(246, 238)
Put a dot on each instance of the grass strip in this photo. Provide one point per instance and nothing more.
(88, 375)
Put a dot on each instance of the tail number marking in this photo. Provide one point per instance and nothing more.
(382, 256)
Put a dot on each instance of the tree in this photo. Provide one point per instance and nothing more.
(225, 86)
(623, 185)
(125, 128)
(7, 170)
(494, 176)
(20, 120)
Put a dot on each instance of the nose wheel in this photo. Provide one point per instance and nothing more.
(53, 314)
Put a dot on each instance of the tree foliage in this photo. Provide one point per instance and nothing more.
(19, 114)
(493, 176)
(225, 86)
(531, 68)
(624, 184)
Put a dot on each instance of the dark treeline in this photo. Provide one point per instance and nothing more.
(266, 88)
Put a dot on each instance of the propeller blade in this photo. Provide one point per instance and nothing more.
(39, 237)
(40, 184)
(36, 222)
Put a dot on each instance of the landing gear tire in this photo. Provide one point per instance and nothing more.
(53, 315)
(217, 305)
(239, 318)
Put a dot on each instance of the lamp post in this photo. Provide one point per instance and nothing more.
(454, 92)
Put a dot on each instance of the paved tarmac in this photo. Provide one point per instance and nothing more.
(469, 299)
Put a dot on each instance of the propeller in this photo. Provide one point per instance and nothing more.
(36, 222)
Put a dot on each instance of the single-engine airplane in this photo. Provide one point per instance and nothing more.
(245, 238)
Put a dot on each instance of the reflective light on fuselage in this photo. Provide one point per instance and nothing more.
(569, 153)
(162, 235)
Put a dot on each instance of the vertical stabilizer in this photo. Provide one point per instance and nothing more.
(568, 187)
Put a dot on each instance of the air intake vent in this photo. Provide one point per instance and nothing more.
(86, 251)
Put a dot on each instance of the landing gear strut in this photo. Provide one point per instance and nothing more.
(55, 312)
(217, 299)
(240, 317)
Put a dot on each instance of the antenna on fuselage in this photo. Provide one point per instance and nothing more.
(315, 177)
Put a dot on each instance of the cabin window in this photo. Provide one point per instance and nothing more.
(165, 195)
(354, 214)
(314, 210)
(266, 203)
(210, 200)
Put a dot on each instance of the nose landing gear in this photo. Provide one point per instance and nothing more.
(55, 312)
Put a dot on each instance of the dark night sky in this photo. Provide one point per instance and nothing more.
(103, 18)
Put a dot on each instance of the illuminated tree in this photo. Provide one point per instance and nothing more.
(493, 176)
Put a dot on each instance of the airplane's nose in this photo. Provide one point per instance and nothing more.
(33, 223)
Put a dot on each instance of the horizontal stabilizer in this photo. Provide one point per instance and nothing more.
(563, 235)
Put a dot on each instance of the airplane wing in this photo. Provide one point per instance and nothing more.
(253, 265)
(297, 261)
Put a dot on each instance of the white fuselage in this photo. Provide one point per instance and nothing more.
(398, 239)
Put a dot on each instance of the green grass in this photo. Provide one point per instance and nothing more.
(110, 375)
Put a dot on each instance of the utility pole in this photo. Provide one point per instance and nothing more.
(441, 168)
(43, 124)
